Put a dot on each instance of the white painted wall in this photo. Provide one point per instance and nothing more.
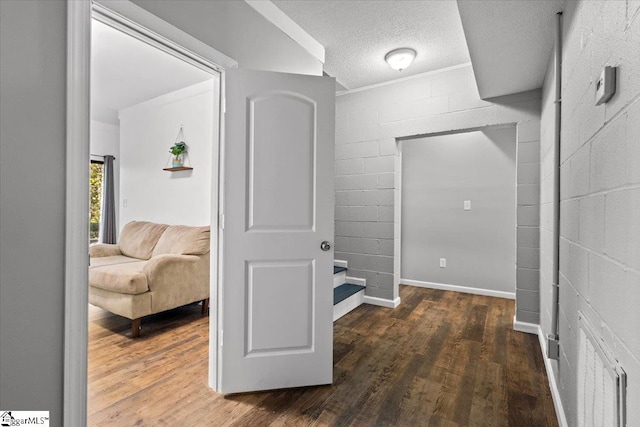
(368, 170)
(438, 174)
(105, 139)
(147, 130)
(600, 194)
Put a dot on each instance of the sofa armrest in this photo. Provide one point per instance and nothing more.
(100, 250)
(178, 275)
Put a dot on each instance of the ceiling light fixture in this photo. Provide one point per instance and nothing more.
(399, 59)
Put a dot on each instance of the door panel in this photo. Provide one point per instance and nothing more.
(268, 311)
(277, 294)
(281, 128)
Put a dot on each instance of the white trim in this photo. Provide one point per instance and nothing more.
(128, 17)
(288, 26)
(356, 281)
(382, 302)
(457, 288)
(76, 205)
(348, 304)
(216, 333)
(529, 328)
(553, 383)
(340, 263)
(403, 79)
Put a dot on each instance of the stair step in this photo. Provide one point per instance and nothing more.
(337, 270)
(344, 291)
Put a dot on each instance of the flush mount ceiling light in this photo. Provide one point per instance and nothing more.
(399, 59)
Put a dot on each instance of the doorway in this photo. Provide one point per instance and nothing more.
(123, 16)
(273, 98)
(459, 211)
(144, 100)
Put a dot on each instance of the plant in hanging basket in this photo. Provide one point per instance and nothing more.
(178, 149)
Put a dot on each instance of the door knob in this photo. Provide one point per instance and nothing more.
(325, 246)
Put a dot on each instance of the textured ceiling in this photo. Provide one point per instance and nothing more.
(510, 43)
(357, 35)
(126, 71)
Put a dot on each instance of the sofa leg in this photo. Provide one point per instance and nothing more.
(135, 327)
(205, 307)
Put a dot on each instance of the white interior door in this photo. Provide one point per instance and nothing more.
(277, 293)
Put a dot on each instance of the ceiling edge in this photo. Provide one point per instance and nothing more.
(402, 79)
(288, 26)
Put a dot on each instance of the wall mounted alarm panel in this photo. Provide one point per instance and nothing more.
(606, 85)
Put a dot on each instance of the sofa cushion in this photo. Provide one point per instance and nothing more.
(126, 278)
(138, 238)
(183, 240)
(98, 250)
(110, 260)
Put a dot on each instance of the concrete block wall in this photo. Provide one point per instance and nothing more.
(528, 223)
(369, 123)
(600, 194)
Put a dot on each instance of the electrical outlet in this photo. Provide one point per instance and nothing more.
(443, 262)
(124, 203)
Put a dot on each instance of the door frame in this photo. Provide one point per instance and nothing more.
(137, 22)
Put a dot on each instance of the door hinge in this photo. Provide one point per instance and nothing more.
(221, 221)
(221, 337)
(224, 105)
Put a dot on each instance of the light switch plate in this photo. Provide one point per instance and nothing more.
(467, 205)
(606, 85)
(443, 262)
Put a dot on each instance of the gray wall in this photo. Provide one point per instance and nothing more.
(32, 190)
(368, 171)
(600, 194)
(438, 174)
(32, 172)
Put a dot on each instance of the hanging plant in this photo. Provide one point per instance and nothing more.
(178, 149)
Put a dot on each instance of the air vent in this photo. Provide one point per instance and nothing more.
(601, 381)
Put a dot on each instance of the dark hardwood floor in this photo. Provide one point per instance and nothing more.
(440, 359)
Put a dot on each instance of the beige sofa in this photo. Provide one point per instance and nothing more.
(153, 268)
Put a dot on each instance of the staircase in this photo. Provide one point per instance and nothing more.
(348, 292)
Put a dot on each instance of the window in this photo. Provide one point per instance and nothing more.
(95, 200)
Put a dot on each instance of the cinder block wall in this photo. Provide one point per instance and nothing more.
(600, 194)
(368, 124)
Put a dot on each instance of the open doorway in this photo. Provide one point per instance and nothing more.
(145, 101)
(274, 97)
(458, 210)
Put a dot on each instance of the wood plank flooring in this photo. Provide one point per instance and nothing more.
(440, 359)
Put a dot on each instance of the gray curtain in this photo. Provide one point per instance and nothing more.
(108, 214)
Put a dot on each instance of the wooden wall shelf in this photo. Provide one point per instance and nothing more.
(181, 168)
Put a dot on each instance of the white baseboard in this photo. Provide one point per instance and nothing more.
(457, 288)
(356, 281)
(532, 328)
(529, 328)
(345, 306)
(382, 302)
(340, 263)
(553, 383)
